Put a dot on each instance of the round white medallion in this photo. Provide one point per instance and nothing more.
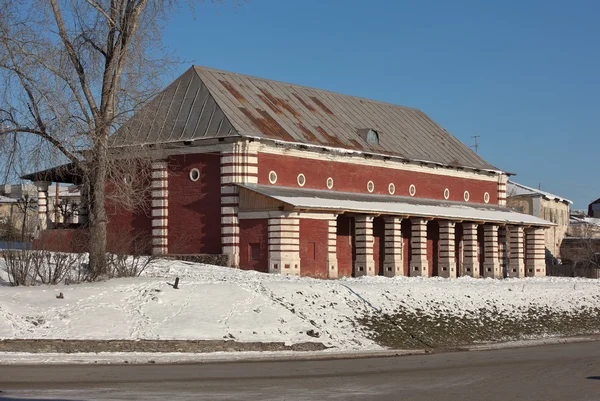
(466, 196)
(330, 183)
(370, 186)
(486, 197)
(272, 177)
(392, 189)
(412, 190)
(194, 174)
(446, 193)
(301, 180)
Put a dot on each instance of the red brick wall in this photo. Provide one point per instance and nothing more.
(254, 231)
(313, 248)
(63, 240)
(345, 245)
(349, 177)
(194, 207)
(128, 231)
(379, 244)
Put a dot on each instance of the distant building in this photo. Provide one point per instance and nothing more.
(594, 208)
(544, 205)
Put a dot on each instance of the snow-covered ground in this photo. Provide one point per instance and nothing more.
(215, 303)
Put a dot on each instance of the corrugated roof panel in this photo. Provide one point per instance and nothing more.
(207, 103)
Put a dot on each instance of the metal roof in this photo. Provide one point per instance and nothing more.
(516, 189)
(311, 199)
(207, 103)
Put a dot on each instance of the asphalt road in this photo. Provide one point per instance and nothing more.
(558, 372)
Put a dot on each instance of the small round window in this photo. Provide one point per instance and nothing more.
(446, 193)
(272, 177)
(370, 186)
(412, 190)
(486, 197)
(391, 189)
(466, 196)
(301, 180)
(194, 174)
(330, 183)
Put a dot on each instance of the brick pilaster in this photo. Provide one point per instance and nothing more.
(284, 245)
(447, 261)
(42, 203)
(364, 265)
(470, 263)
(332, 262)
(419, 265)
(393, 263)
(535, 262)
(160, 208)
(516, 262)
(502, 179)
(239, 165)
(491, 264)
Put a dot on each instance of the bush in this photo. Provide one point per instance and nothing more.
(59, 266)
(21, 266)
(127, 265)
(33, 267)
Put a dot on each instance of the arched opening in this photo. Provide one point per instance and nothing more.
(433, 247)
(406, 228)
(480, 248)
(379, 244)
(345, 245)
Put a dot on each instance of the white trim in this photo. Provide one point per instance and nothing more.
(397, 163)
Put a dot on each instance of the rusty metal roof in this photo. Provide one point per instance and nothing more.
(208, 103)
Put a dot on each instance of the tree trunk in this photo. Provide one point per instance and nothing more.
(97, 217)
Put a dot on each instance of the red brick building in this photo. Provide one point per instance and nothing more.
(294, 180)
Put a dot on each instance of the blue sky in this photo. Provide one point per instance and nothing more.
(523, 75)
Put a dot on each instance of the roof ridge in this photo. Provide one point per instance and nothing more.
(312, 88)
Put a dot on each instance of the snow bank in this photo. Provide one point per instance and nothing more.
(220, 303)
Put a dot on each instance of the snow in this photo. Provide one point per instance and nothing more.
(516, 189)
(331, 200)
(215, 303)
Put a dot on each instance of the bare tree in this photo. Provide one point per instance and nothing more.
(73, 71)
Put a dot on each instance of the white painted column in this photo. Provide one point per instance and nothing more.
(419, 265)
(516, 264)
(364, 265)
(160, 208)
(535, 262)
(42, 203)
(447, 261)
(393, 262)
(284, 245)
(470, 262)
(332, 262)
(491, 263)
